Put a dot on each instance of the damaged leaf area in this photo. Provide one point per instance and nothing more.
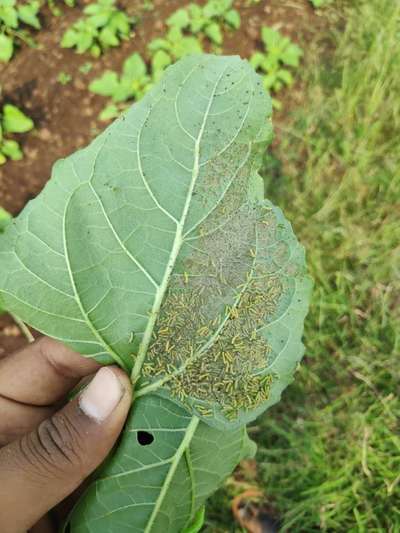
(223, 342)
(154, 248)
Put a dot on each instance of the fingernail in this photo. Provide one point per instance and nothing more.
(102, 395)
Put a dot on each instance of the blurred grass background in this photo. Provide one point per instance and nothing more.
(329, 453)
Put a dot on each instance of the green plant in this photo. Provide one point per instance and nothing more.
(280, 52)
(207, 19)
(166, 259)
(176, 44)
(12, 120)
(102, 27)
(133, 82)
(64, 78)
(86, 67)
(11, 18)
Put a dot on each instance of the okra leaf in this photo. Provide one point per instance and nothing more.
(166, 466)
(153, 248)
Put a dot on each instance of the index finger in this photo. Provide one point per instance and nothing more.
(43, 372)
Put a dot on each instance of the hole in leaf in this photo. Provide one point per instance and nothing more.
(144, 438)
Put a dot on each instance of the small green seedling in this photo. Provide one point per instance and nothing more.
(188, 28)
(12, 19)
(208, 19)
(103, 26)
(176, 44)
(64, 78)
(86, 67)
(133, 82)
(280, 52)
(12, 120)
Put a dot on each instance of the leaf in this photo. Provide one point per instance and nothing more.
(213, 31)
(270, 37)
(256, 60)
(11, 149)
(106, 84)
(9, 15)
(134, 67)
(285, 76)
(108, 38)
(158, 44)
(179, 19)
(153, 248)
(161, 486)
(15, 121)
(5, 219)
(6, 48)
(120, 22)
(70, 38)
(109, 112)
(216, 8)
(160, 61)
(232, 17)
(292, 55)
(28, 14)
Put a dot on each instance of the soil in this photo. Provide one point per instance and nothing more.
(66, 116)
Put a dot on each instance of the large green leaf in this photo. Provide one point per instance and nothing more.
(159, 487)
(153, 248)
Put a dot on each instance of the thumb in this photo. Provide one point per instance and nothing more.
(44, 466)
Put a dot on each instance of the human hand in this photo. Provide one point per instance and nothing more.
(47, 449)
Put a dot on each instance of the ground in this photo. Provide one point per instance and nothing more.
(329, 453)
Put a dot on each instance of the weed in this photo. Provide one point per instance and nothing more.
(103, 26)
(12, 19)
(64, 78)
(86, 67)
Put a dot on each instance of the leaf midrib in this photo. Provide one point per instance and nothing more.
(178, 241)
(184, 445)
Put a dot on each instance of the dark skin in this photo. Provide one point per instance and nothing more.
(48, 446)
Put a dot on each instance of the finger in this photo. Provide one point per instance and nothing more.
(17, 419)
(45, 525)
(45, 466)
(43, 372)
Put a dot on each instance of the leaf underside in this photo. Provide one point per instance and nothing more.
(154, 248)
(159, 487)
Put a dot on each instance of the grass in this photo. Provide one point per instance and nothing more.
(329, 453)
